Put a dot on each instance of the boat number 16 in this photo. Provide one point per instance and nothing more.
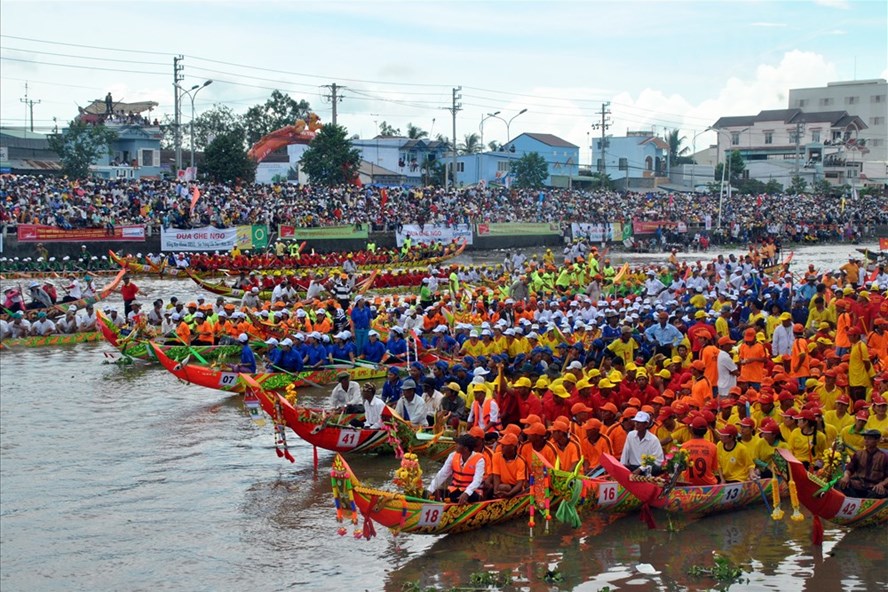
(430, 515)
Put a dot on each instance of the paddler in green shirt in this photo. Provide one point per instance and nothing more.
(371, 246)
(425, 294)
(608, 272)
(536, 280)
(294, 249)
(454, 281)
(578, 276)
(563, 281)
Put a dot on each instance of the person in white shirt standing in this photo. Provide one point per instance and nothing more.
(346, 394)
(411, 407)
(640, 442)
(727, 369)
(783, 338)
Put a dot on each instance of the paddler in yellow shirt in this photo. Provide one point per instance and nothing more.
(472, 346)
(839, 418)
(806, 442)
(828, 392)
(879, 418)
(852, 435)
(765, 445)
(734, 459)
(722, 327)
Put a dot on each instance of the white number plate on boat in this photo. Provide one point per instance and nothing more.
(430, 514)
(348, 438)
(731, 493)
(227, 379)
(849, 508)
(607, 494)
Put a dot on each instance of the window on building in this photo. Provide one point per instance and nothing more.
(769, 137)
(826, 102)
(624, 164)
(735, 138)
(877, 121)
(147, 159)
(815, 135)
(876, 142)
(460, 167)
(877, 99)
(793, 136)
(600, 164)
(836, 135)
(503, 166)
(802, 103)
(852, 100)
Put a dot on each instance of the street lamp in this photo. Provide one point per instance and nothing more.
(509, 122)
(192, 92)
(481, 125)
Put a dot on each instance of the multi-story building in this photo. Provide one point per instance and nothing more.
(633, 161)
(413, 159)
(781, 143)
(866, 99)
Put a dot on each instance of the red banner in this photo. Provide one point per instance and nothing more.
(286, 231)
(32, 233)
(883, 244)
(483, 229)
(650, 226)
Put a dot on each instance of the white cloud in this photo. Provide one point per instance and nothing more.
(843, 4)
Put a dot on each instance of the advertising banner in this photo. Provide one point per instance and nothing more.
(651, 226)
(252, 237)
(198, 239)
(517, 229)
(33, 233)
(595, 232)
(433, 233)
(321, 232)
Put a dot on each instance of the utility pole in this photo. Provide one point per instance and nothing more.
(456, 106)
(334, 97)
(177, 117)
(798, 139)
(30, 103)
(604, 125)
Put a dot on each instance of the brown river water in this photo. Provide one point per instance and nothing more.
(122, 478)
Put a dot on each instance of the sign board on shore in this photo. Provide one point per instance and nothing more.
(434, 233)
(322, 232)
(517, 229)
(210, 238)
(34, 233)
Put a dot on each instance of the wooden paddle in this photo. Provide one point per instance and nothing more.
(305, 380)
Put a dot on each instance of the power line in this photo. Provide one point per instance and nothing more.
(161, 53)
(79, 67)
(65, 55)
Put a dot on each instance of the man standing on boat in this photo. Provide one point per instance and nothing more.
(129, 291)
(640, 442)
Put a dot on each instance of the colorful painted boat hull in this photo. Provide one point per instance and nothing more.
(62, 307)
(689, 499)
(833, 505)
(598, 495)
(403, 514)
(51, 340)
(274, 381)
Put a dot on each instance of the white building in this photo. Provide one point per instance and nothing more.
(775, 144)
(868, 100)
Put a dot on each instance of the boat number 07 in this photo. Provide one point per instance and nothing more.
(430, 515)
(731, 493)
(348, 438)
(227, 379)
(607, 494)
(849, 508)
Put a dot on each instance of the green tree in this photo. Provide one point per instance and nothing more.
(278, 111)
(773, 187)
(330, 158)
(226, 160)
(530, 171)
(603, 181)
(751, 186)
(822, 187)
(493, 145)
(415, 133)
(211, 123)
(471, 145)
(797, 185)
(388, 131)
(736, 168)
(678, 154)
(448, 145)
(80, 146)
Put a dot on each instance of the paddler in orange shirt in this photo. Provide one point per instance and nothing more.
(203, 330)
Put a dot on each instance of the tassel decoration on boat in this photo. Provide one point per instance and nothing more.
(797, 515)
(777, 512)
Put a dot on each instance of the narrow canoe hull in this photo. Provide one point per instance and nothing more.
(689, 499)
(51, 340)
(598, 495)
(832, 504)
(404, 514)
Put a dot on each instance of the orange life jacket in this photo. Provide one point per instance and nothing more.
(463, 473)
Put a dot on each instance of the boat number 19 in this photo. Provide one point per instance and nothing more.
(227, 379)
(430, 515)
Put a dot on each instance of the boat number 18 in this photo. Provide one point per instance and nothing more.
(430, 515)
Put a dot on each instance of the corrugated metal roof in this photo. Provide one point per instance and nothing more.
(549, 140)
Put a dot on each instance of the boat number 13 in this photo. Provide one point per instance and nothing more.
(430, 515)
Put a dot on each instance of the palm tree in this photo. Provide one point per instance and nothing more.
(471, 145)
(493, 145)
(677, 153)
(415, 132)
(444, 140)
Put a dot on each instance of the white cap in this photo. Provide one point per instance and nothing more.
(243, 338)
(485, 332)
(271, 341)
(254, 290)
(575, 365)
(287, 341)
(642, 416)
(198, 315)
(473, 333)
(478, 372)
(440, 329)
(372, 333)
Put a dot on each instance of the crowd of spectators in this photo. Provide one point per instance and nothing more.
(66, 203)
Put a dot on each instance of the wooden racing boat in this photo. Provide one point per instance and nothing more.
(831, 504)
(62, 307)
(50, 340)
(136, 267)
(217, 378)
(405, 514)
(589, 494)
(333, 430)
(687, 499)
(132, 346)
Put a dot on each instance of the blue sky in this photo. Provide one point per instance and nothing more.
(661, 64)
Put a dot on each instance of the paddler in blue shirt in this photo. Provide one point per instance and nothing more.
(374, 349)
(248, 358)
